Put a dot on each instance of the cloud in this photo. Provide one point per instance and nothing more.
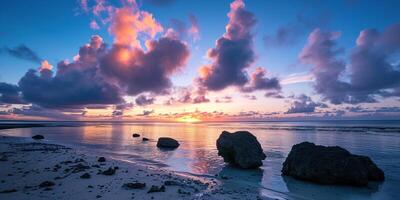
(75, 84)
(250, 97)
(22, 52)
(259, 81)
(188, 95)
(233, 52)
(304, 104)
(37, 111)
(143, 100)
(146, 113)
(371, 71)
(224, 99)
(182, 29)
(297, 78)
(10, 94)
(289, 34)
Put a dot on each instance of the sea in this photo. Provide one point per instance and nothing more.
(197, 154)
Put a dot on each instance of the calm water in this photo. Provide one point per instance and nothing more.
(198, 154)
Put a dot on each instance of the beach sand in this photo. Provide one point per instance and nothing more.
(28, 170)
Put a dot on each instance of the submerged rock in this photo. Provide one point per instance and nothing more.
(240, 148)
(38, 137)
(166, 142)
(135, 135)
(145, 139)
(330, 165)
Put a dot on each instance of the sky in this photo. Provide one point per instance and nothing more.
(190, 60)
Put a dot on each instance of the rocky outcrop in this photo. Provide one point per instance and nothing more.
(330, 165)
(38, 137)
(136, 135)
(166, 142)
(240, 148)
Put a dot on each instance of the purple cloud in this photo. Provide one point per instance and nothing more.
(304, 104)
(10, 94)
(233, 52)
(143, 100)
(372, 73)
(22, 52)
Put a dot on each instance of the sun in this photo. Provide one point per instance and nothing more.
(188, 119)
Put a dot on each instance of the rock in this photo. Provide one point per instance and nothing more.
(9, 191)
(45, 184)
(166, 142)
(330, 165)
(38, 137)
(101, 159)
(110, 171)
(240, 148)
(156, 189)
(135, 185)
(145, 139)
(135, 135)
(85, 176)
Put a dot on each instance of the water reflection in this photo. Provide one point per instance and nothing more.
(198, 154)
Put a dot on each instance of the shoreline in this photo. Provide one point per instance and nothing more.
(24, 175)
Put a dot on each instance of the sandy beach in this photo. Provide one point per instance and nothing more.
(40, 170)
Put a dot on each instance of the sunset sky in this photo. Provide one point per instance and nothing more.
(189, 60)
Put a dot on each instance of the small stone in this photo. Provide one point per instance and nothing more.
(135, 135)
(46, 184)
(145, 139)
(166, 142)
(156, 189)
(38, 137)
(101, 159)
(85, 176)
(110, 171)
(135, 185)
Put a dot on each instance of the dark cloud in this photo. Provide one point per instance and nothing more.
(188, 95)
(22, 52)
(304, 104)
(143, 100)
(146, 113)
(10, 94)
(186, 30)
(289, 34)
(373, 71)
(259, 81)
(75, 84)
(37, 111)
(138, 71)
(233, 52)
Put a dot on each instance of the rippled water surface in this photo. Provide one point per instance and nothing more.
(197, 154)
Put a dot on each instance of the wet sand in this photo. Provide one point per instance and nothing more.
(40, 170)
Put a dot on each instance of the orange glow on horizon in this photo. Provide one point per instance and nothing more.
(188, 119)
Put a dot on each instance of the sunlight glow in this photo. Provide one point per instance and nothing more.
(188, 119)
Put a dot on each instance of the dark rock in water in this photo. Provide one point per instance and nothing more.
(330, 165)
(135, 135)
(9, 191)
(46, 184)
(85, 176)
(172, 183)
(79, 168)
(156, 189)
(145, 139)
(101, 159)
(38, 137)
(135, 185)
(110, 171)
(240, 148)
(166, 142)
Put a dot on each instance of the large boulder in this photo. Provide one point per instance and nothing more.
(330, 165)
(240, 148)
(166, 142)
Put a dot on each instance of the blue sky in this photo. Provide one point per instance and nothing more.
(56, 29)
